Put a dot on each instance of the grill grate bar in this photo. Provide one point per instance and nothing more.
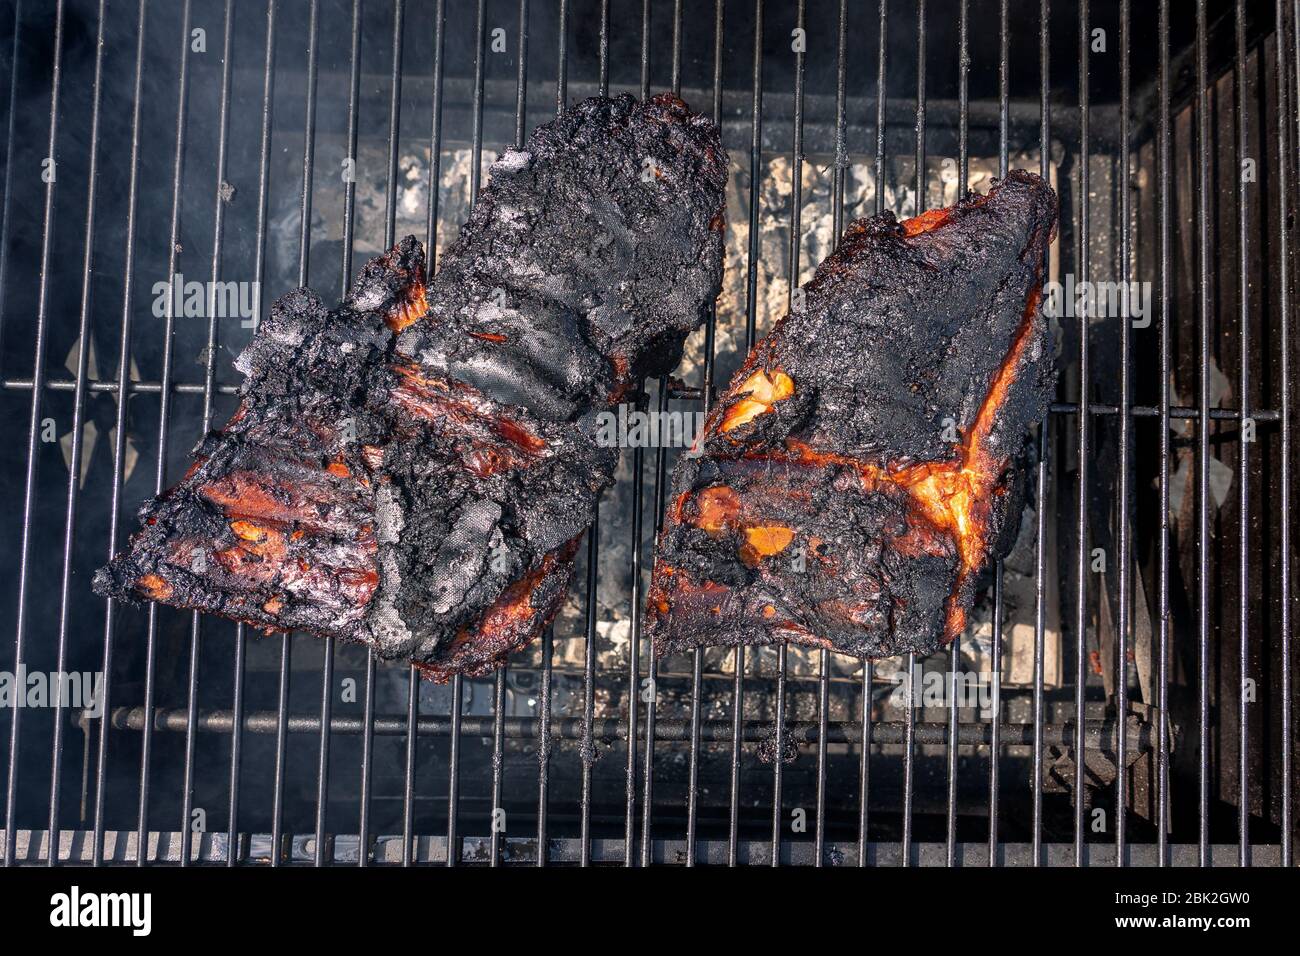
(544, 743)
(431, 228)
(322, 850)
(1044, 432)
(995, 748)
(837, 228)
(661, 477)
(321, 856)
(476, 134)
(119, 445)
(1182, 412)
(562, 78)
(1040, 630)
(457, 682)
(34, 427)
(1004, 87)
(603, 69)
(78, 411)
(1284, 270)
(390, 237)
(499, 688)
(634, 688)
(548, 637)
(498, 766)
(1243, 486)
(164, 412)
(1203, 433)
(963, 182)
(706, 393)
(864, 765)
(823, 706)
(268, 87)
(408, 773)
(1095, 409)
(995, 721)
(868, 667)
(693, 766)
(209, 383)
(909, 754)
(390, 234)
(751, 320)
(593, 553)
(1124, 558)
(367, 759)
(308, 146)
(521, 80)
(281, 742)
(796, 200)
(1098, 733)
(1163, 147)
(737, 730)
(881, 54)
(394, 127)
(349, 184)
(499, 683)
(920, 107)
(586, 752)
(647, 805)
(236, 740)
(841, 150)
(1083, 436)
(304, 251)
(453, 767)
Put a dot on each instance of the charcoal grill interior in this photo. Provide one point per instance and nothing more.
(284, 143)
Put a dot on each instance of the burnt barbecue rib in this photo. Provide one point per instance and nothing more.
(860, 472)
(413, 469)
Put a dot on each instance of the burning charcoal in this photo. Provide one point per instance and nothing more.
(860, 472)
(413, 470)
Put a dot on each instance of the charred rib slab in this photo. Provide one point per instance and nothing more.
(414, 468)
(860, 471)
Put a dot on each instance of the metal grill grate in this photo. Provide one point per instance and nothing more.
(283, 144)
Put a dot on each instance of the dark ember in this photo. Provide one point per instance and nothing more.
(861, 471)
(413, 470)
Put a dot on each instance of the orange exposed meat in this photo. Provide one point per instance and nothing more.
(717, 508)
(408, 309)
(767, 541)
(759, 393)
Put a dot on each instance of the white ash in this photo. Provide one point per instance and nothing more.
(512, 161)
(385, 620)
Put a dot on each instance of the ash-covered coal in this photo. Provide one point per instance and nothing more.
(413, 470)
(860, 472)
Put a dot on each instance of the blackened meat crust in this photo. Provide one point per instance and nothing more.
(862, 469)
(413, 469)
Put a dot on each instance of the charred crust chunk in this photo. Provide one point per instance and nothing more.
(414, 468)
(863, 468)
